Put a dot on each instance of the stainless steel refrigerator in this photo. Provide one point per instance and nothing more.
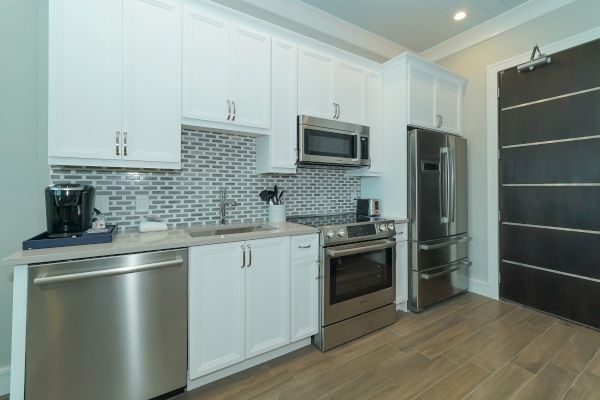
(437, 208)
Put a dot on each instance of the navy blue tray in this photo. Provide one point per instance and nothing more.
(42, 241)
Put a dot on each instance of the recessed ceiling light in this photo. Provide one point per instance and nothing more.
(459, 16)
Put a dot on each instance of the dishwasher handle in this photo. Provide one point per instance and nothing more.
(45, 280)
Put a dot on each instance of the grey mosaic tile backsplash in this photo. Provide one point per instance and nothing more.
(211, 161)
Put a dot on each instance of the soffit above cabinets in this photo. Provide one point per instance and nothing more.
(415, 24)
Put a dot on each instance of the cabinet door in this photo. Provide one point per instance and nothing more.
(401, 272)
(448, 100)
(85, 78)
(421, 97)
(267, 295)
(206, 67)
(284, 107)
(304, 298)
(315, 85)
(251, 77)
(152, 81)
(216, 309)
(349, 92)
(374, 120)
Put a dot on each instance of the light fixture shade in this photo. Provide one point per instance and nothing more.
(460, 15)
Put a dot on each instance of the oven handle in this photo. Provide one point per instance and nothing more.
(448, 271)
(362, 249)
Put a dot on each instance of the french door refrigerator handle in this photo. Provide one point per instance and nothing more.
(444, 185)
(44, 280)
(447, 243)
(452, 186)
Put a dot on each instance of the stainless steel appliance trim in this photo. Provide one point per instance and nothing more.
(558, 228)
(562, 96)
(352, 328)
(45, 280)
(457, 265)
(319, 123)
(444, 244)
(551, 270)
(360, 249)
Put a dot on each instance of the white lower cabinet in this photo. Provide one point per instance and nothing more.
(402, 273)
(267, 295)
(245, 297)
(304, 287)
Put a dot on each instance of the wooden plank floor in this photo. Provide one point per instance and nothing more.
(468, 348)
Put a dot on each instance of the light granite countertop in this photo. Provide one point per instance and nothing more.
(133, 242)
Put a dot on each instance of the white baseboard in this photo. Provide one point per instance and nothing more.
(482, 288)
(4, 380)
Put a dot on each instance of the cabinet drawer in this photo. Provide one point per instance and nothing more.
(401, 232)
(305, 246)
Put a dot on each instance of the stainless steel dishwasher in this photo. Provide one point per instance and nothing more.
(107, 328)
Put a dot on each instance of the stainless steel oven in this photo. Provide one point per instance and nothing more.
(323, 141)
(358, 277)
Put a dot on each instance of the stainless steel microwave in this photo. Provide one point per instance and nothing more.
(323, 141)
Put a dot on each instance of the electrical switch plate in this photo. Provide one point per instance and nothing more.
(101, 203)
(142, 203)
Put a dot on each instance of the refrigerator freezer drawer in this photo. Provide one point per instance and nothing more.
(438, 252)
(437, 284)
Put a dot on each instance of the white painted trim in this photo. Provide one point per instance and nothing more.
(480, 287)
(251, 362)
(492, 146)
(504, 22)
(4, 380)
(19, 323)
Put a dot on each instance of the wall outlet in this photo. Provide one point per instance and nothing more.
(101, 203)
(142, 203)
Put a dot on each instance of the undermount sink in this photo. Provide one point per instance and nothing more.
(229, 231)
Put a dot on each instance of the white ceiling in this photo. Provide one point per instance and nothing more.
(415, 24)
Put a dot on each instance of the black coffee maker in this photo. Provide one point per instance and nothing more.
(69, 209)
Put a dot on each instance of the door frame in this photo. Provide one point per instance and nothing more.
(491, 287)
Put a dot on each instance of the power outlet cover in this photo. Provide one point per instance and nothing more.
(142, 203)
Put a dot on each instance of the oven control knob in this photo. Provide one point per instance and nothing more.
(383, 227)
(341, 233)
(390, 226)
(330, 234)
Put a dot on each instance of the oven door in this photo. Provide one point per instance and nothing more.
(357, 278)
(319, 145)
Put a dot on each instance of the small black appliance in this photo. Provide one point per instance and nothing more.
(69, 209)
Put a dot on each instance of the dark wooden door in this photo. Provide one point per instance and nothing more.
(549, 138)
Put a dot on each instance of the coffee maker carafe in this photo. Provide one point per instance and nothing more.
(69, 209)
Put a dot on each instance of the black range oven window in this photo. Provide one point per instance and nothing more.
(360, 274)
(329, 144)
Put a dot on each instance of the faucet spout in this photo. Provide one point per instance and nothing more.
(223, 204)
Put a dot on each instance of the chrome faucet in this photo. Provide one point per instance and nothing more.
(224, 204)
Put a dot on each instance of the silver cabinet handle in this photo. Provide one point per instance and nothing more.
(233, 102)
(249, 256)
(447, 243)
(118, 143)
(339, 111)
(439, 120)
(125, 144)
(243, 256)
(363, 249)
(334, 110)
(446, 272)
(307, 246)
(228, 110)
(44, 280)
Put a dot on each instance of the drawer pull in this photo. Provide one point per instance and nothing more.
(446, 272)
(444, 244)
(306, 246)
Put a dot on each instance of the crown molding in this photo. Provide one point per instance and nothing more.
(310, 21)
(495, 26)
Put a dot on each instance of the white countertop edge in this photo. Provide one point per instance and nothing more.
(135, 242)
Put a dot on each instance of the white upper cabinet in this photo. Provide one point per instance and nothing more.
(374, 109)
(435, 97)
(349, 92)
(315, 84)
(330, 88)
(226, 73)
(251, 77)
(115, 83)
(85, 78)
(267, 295)
(206, 76)
(152, 91)
(276, 153)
